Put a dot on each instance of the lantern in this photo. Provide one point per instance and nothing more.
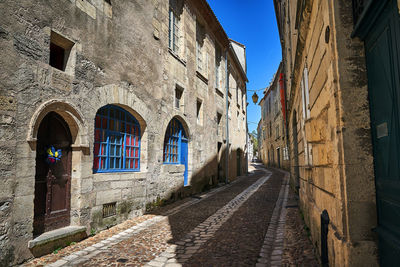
(255, 98)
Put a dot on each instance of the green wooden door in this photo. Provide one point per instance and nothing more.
(382, 55)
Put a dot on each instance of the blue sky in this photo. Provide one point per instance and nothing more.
(252, 23)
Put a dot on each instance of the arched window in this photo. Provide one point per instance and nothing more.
(174, 137)
(116, 141)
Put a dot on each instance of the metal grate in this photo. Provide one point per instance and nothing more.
(358, 7)
(109, 209)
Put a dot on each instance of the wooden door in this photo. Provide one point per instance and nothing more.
(52, 181)
(383, 57)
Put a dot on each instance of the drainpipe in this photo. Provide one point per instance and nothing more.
(247, 138)
(227, 117)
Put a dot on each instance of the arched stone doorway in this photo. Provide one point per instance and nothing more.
(52, 181)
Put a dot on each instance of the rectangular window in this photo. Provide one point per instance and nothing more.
(60, 50)
(306, 94)
(270, 129)
(237, 94)
(217, 65)
(109, 209)
(219, 117)
(238, 122)
(277, 132)
(178, 97)
(229, 110)
(199, 54)
(199, 111)
(306, 114)
(173, 31)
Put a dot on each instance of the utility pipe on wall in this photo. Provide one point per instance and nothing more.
(227, 116)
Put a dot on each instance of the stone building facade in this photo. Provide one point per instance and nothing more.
(134, 96)
(341, 86)
(273, 146)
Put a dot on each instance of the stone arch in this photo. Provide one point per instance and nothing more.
(72, 116)
(138, 117)
(124, 96)
(185, 125)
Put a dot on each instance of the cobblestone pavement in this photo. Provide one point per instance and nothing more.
(298, 250)
(272, 249)
(226, 226)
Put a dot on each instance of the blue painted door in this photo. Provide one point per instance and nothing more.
(184, 159)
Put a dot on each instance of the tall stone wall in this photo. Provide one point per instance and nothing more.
(334, 155)
(274, 136)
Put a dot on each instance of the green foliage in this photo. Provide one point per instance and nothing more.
(156, 203)
(92, 232)
(60, 248)
(57, 250)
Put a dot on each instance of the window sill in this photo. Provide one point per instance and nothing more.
(116, 171)
(219, 92)
(201, 77)
(177, 57)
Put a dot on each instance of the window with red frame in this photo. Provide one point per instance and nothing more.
(116, 141)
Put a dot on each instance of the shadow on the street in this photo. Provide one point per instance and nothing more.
(184, 221)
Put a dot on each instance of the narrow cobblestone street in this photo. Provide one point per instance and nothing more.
(240, 224)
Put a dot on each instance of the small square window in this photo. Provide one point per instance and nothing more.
(178, 97)
(60, 50)
(219, 117)
(109, 209)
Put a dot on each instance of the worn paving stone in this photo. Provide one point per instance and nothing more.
(236, 241)
(239, 240)
(102, 236)
(298, 250)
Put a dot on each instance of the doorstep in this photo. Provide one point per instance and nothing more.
(50, 241)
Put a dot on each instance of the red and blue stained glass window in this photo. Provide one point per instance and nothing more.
(116, 141)
(172, 142)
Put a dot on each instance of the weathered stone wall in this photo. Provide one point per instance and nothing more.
(272, 118)
(120, 56)
(336, 172)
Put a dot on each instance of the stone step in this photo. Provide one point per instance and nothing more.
(50, 241)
